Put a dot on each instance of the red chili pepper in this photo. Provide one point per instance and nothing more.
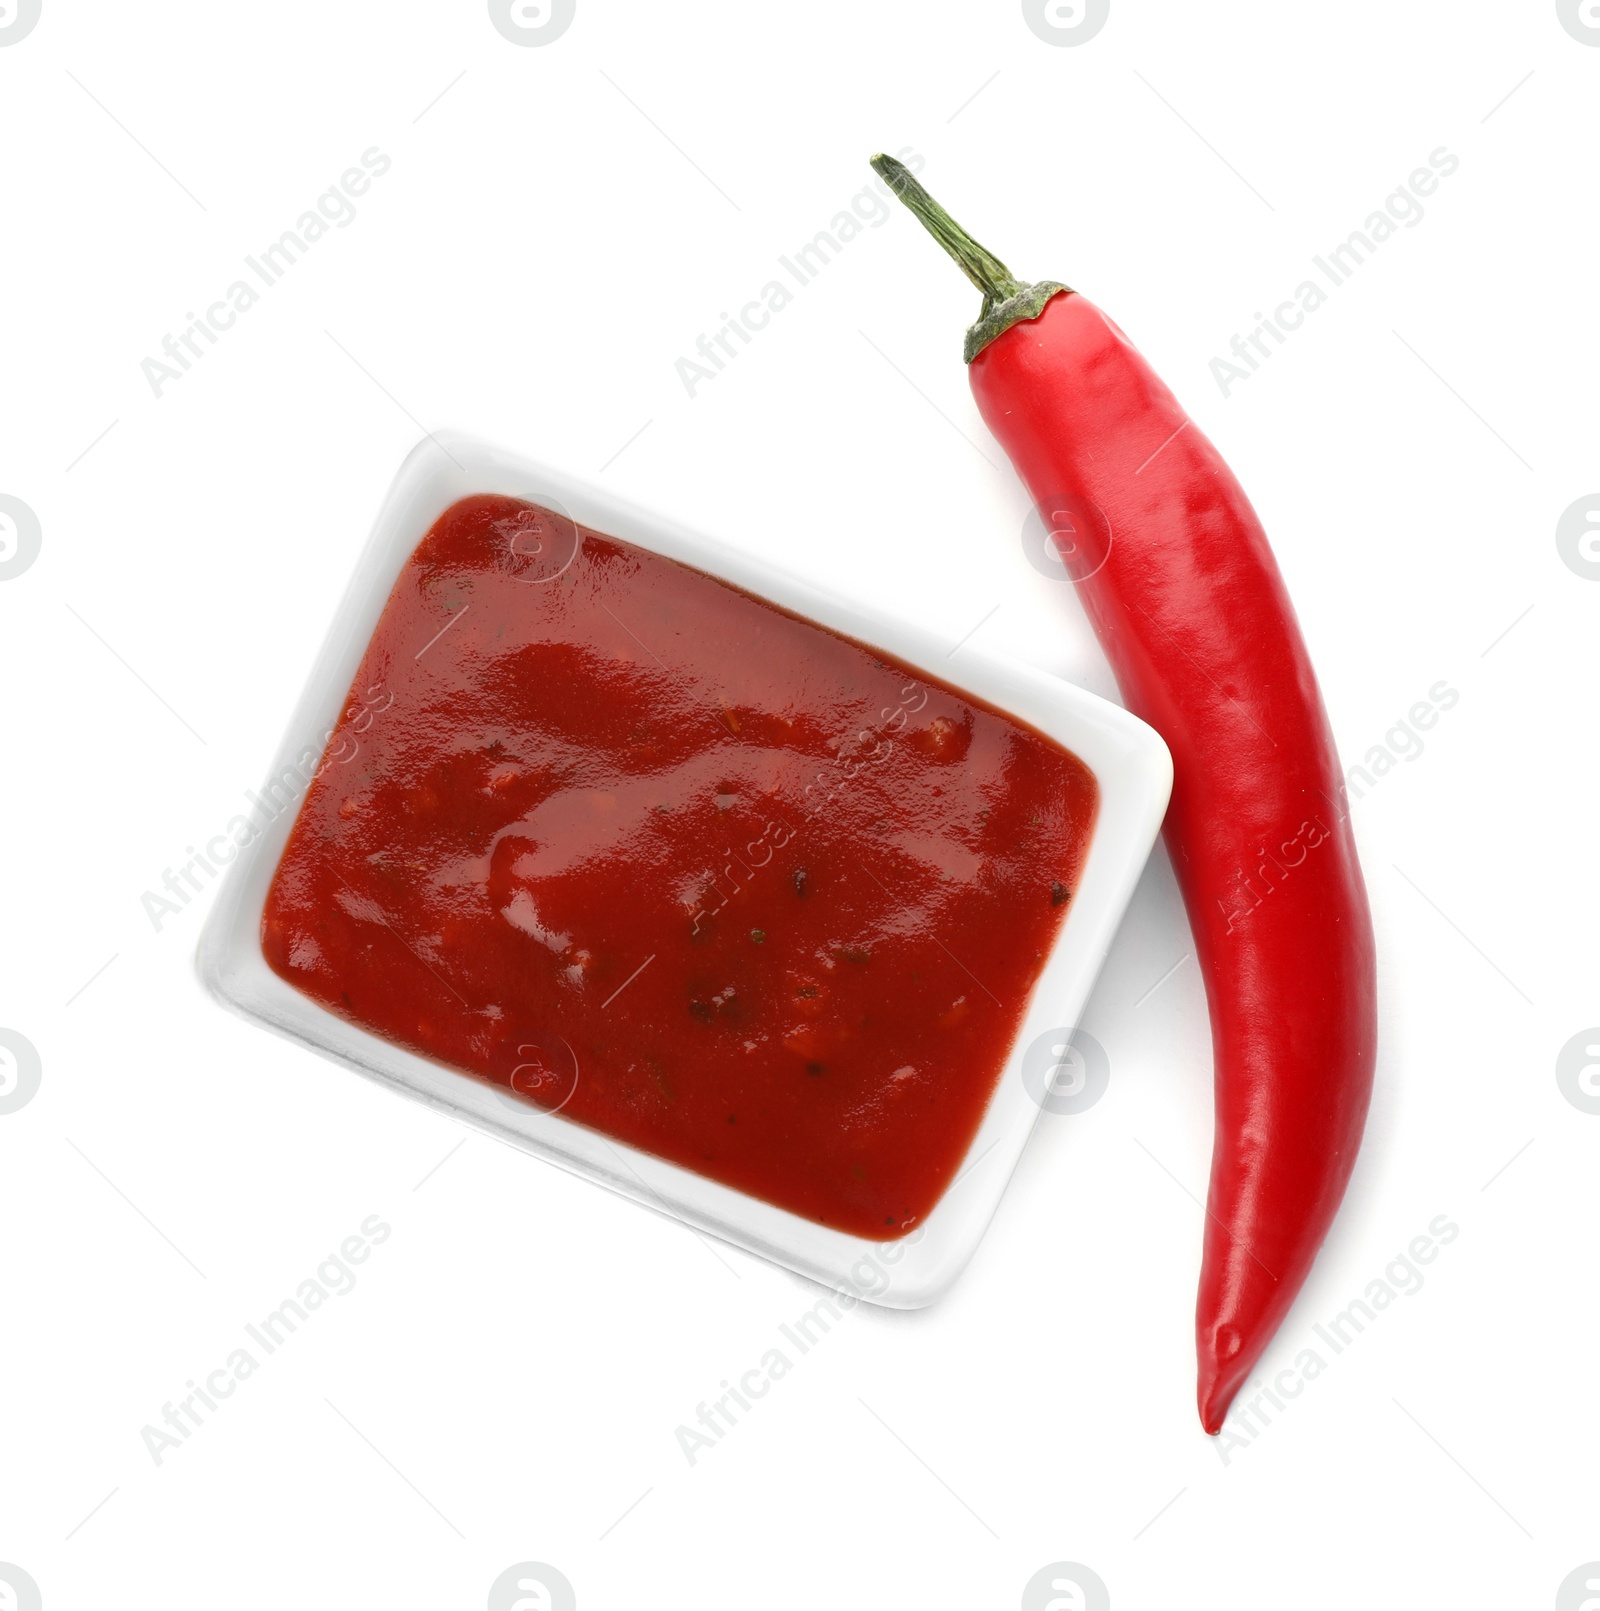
(1174, 570)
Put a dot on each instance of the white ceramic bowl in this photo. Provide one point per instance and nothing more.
(1128, 758)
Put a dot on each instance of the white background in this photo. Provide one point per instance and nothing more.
(558, 226)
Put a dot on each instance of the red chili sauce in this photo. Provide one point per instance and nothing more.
(710, 879)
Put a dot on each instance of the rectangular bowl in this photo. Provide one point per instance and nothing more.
(1129, 761)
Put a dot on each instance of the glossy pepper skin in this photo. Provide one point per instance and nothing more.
(1174, 570)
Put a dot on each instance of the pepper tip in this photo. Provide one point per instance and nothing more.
(1219, 1384)
(1214, 1405)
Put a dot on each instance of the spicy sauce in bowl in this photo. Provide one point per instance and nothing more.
(705, 877)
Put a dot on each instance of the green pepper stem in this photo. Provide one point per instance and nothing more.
(977, 262)
(1006, 299)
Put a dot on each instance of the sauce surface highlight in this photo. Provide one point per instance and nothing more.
(706, 877)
